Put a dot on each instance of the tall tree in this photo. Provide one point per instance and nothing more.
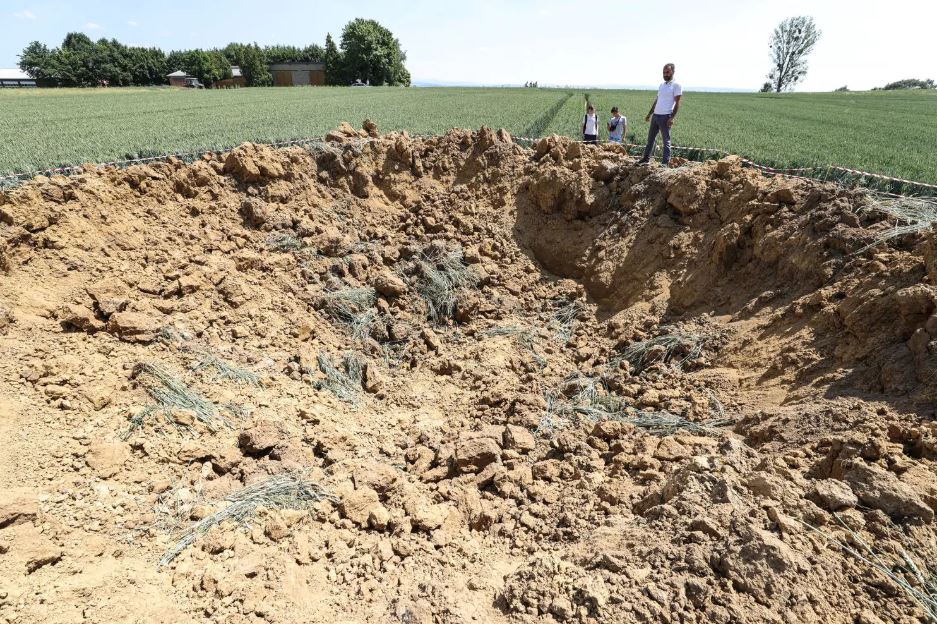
(334, 72)
(791, 42)
(371, 53)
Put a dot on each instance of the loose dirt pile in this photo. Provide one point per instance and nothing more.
(452, 380)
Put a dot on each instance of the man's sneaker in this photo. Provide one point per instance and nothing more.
(643, 161)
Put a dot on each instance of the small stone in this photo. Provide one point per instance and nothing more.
(378, 518)
(473, 454)
(18, 505)
(389, 284)
(43, 555)
(832, 495)
(358, 504)
(79, 317)
(519, 439)
(107, 458)
(133, 326)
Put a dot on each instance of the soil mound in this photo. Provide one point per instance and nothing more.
(452, 379)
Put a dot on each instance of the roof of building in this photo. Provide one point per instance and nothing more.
(297, 67)
(177, 74)
(13, 74)
(235, 71)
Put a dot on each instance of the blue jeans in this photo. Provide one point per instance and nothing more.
(658, 124)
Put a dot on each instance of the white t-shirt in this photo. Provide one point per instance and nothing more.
(622, 122)
(666, 93)
(592, 124)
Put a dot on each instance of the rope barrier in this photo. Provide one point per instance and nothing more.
(789, 172)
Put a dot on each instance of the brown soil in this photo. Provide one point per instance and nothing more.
(494, 466)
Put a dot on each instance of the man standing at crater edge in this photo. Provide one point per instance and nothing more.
(662, 114)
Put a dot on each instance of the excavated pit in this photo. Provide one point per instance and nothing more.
(515, 384)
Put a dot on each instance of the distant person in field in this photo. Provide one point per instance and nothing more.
(617, 126)
(590, 126)
(662, 114)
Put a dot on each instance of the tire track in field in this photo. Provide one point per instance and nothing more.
(536, 128)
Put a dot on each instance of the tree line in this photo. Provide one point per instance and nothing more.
(366, 51)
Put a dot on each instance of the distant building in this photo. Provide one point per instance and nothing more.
(297, 74)
(13, 78)
(236, 80)
(178, 78)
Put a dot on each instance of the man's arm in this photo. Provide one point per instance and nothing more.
(676, 107)
(651, 112)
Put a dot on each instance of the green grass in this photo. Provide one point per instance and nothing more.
(883, 132)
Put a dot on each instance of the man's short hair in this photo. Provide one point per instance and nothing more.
(614, 109)
(671, 66)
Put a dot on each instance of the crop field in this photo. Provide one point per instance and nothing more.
(881, 132)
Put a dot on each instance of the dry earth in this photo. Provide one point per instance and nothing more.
(460, 381)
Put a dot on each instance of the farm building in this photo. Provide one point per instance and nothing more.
(177, 78)
(12, 78)
(236, 80)
(297, 74)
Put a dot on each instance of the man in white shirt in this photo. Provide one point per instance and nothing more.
(662, 114)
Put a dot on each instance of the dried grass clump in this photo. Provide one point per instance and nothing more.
(171, 393)
(209, 361)
(910, 214)
(564, 318)
(344, 382)
(585, 399)
(282, 241)
(674, 348)
(352, 308)
(283, 491)
(442, 275)
(525, 338)
(917, 580)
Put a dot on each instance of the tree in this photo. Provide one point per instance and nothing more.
(250, 58)
(843, 88)
(766, 88)
(37, 61)
(910, 83)
(791, 42)
(207, 66)
(334, 72)
(370, 53)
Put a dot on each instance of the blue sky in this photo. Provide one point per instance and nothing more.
(714, 44)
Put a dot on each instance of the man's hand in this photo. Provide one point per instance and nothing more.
(647, 117)
(670, 122)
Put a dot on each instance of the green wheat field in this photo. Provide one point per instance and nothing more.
(891, 133)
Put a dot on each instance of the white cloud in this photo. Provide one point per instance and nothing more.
(92, 26)
(25, 14)
(132, 23)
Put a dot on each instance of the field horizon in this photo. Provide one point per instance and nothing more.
(874, 131)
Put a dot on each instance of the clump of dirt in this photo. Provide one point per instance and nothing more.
(452, 379)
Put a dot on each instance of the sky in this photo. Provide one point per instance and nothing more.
(718, 45)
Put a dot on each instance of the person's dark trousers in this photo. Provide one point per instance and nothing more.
(590, 138)
(658, 124)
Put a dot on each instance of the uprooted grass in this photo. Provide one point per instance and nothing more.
(525, 338)
(917, 581)
(352, 308)
(584, 399)
(283, 491)
(282, 241)
(910, 214)
(564, 318)
(442, 276)
(224, 370)
(672, 347)
(171, 393)
(344, 382)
